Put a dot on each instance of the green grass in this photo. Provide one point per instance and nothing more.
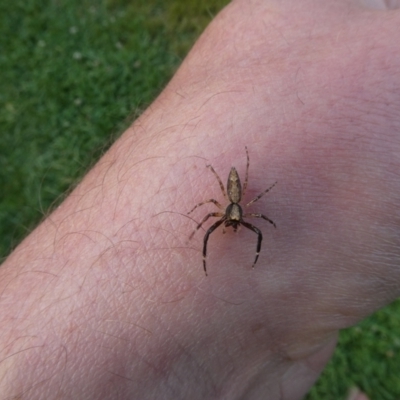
(368, 356)
(74, 74)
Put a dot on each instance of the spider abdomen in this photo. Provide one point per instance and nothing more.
(234, 187)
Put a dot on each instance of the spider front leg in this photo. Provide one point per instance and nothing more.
(205, 202)
(208, 233)
(204, 220)
(260, 237)
(246, 178)
(253, 215)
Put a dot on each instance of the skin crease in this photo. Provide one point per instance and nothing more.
(108, 299)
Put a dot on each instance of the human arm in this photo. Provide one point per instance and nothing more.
(106, 299)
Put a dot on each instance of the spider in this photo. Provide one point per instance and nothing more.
(233, 214)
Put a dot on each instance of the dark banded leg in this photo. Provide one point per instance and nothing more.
(205, 202)
(209, 232)
(256, 215)
(221, 185)
(215, 214)
(260, 237)
(261, 195)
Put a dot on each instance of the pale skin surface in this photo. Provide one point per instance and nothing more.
(107, 299)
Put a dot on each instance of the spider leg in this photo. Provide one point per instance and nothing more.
(260, 216)
(221, 185)
(258, 232)
(208, 233)
(214, 214)
(246, 178)
(261, 195)
(205, 202)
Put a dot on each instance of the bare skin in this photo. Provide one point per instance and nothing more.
(106, 299)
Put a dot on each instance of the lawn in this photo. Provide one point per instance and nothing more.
(74, 74)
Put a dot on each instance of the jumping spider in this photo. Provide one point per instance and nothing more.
(233, 214)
